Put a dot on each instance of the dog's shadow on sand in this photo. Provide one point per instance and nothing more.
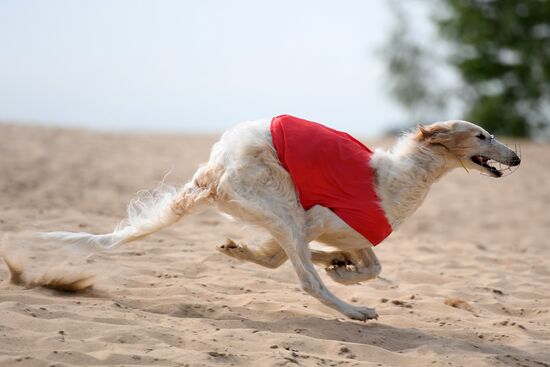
(373, 333)
(396, 339)
(370, 333)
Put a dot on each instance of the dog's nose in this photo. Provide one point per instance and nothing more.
(515, 161)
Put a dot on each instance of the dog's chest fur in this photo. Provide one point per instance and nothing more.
(403, 179)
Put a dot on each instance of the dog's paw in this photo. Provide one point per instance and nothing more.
(362, 313)
(232, 249)
(229, 244)
(351, 274)
(347, 274)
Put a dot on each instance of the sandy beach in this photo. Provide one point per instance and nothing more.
(466, 281)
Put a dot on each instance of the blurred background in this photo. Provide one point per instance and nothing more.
(465, 282)
(368, 67)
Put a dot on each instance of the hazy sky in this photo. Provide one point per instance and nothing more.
(194, 65)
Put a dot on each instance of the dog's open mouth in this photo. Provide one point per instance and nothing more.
(502, 166)
(486, 163)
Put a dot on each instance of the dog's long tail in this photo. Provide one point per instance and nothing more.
(149, 212)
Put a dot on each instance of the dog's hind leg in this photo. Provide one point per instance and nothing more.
(269, 254)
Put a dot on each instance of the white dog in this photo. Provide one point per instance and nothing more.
(245, 178)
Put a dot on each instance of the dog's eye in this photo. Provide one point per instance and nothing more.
(480, 136)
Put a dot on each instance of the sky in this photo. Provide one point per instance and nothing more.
(195, 66)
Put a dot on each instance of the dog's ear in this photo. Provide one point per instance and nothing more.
(422, 132)
(434, 134)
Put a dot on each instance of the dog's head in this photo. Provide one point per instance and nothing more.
(471, 145)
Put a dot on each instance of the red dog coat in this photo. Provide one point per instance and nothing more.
(331, 168)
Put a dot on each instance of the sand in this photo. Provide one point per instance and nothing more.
(466, 281)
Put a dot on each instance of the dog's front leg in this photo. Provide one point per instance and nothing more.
(293, 238)
(355, 262)
(300, 256)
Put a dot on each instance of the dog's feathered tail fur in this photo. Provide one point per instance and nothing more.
(149, 212)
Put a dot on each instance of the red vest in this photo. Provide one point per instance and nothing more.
(331, 168)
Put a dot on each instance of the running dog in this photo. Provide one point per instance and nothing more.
(303, 182)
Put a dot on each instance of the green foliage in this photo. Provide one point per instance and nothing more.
(501, 50)
(408, 64)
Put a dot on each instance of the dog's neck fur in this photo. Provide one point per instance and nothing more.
(405, 174)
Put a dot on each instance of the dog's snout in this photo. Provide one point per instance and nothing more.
(515, 161)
